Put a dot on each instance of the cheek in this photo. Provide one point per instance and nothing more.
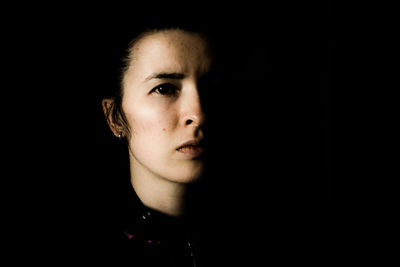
(152, 121)
(152, 133)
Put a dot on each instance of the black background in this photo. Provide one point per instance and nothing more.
(270, 163)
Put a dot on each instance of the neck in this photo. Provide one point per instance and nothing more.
(158, 193)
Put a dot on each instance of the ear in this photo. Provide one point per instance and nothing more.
(107, 104)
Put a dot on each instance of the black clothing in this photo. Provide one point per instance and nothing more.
(151, 238)
(131, 234)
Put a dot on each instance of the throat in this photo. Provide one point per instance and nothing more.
(161, 195)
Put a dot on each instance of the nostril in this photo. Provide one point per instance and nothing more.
(189, 122)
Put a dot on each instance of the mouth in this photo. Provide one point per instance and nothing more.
(192, 148)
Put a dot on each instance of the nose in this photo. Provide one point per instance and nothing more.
(193, 114)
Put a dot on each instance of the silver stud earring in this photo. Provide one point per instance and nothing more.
(120, 136)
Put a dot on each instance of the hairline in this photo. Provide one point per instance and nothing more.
(128, 58)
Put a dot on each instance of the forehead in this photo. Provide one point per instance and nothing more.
(170, 51)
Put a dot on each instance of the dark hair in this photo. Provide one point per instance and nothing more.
(115, 111)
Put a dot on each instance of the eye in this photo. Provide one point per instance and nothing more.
(165, 89)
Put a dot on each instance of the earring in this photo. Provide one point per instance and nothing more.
(120, 136)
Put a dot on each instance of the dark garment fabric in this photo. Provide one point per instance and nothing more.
(221, 230)
(127, 233)
(156, 239)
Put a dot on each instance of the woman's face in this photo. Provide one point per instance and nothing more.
(162, 105)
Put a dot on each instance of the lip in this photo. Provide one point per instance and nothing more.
(191, 148)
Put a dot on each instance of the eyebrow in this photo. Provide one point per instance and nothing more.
(165, 75)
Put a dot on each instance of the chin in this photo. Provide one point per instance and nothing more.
(189, 174)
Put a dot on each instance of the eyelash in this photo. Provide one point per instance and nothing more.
(172, 89)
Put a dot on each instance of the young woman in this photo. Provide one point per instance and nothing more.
(159, 113)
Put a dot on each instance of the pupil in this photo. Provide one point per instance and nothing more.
(164, 89)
